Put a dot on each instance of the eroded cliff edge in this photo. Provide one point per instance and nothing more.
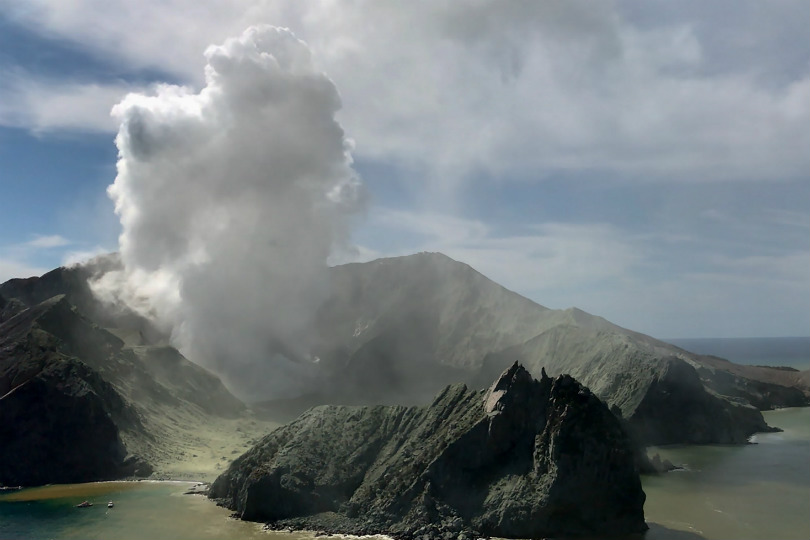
(525, 458)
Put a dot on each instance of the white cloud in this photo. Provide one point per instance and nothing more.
(158, 34)
(755, 270)
(503, 88)
(789, 218)
(50, 241)
(731, 297)
(443, 90)
(546, 262)
(43, 105)
(28, 259)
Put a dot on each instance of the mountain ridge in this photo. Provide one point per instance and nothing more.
(397, 331)
(453, 323)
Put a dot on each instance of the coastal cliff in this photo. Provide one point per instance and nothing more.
(59, 419)
(525, 458)
(78, 403)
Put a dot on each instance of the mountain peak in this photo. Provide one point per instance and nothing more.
(514, 380)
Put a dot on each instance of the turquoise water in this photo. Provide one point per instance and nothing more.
(786, 351)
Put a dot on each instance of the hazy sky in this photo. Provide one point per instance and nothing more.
(648, 162)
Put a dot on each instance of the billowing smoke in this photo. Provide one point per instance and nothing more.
(230, 201)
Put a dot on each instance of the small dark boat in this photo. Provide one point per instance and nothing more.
(84, 504)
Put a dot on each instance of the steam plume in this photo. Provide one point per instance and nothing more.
(231, 200)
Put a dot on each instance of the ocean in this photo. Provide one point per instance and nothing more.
(784, 351)
(755, 491)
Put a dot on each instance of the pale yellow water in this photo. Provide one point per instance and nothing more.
(742, 492)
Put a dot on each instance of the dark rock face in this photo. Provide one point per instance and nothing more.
(59, 419)
(75, 401)
(525, 459)
(677, 408)
(56, 424)
(9, 308)
(73, 282)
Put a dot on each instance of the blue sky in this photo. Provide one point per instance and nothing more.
(648, 162)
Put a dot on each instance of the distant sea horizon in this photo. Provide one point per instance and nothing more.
(763, 351)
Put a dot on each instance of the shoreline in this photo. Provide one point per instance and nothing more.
(87, 489)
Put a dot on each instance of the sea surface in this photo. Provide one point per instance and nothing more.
(783, 351)
(755, 491)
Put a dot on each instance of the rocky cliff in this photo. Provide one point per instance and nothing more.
(524, 459)
(59, 419)
(78, 403)
(57, 427)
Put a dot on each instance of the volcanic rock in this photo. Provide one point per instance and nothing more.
(59, 420)
(524, 459)
(77, 403)
(396, 330)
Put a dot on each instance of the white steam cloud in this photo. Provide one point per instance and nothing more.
(231, 200)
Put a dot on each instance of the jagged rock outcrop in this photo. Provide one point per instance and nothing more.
(524, 459)
(396, 331)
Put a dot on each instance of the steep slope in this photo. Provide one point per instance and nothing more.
(74, 392)
(60, 421)
(396, 330)
(656, 388)
(524, 459)
(399, 329)
(426, 293)
(763, 386)
(157, 372)
(66, 404)
(72, 282)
